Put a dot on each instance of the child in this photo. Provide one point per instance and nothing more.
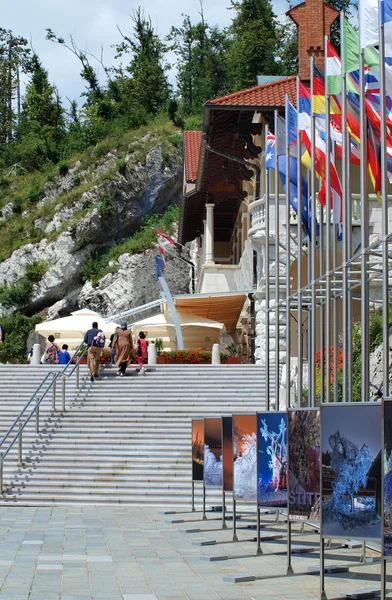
(141, 352)
(64, 355)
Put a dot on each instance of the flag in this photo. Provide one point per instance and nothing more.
(270, 164)
(166, 237)
(162, 253)
(159, 267)
(386, 20)
(292, 124)
(368, 23)
(373, 152)
(334, 73)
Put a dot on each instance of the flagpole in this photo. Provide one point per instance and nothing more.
(288, 257)
(267, 275)
(276, 186)
(364, 236)
(349, 290)
(334, 307)
(327, 240)
(299, 258)
(312, 246)
(344, 218)
(384, 211)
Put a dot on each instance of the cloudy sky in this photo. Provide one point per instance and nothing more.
(93, 23)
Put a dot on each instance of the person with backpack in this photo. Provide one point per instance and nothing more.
(51, 352)
(95, 340)
(123, 344)
(141, 352)
(64, 355)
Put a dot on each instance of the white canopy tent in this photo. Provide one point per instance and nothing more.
(70, 330)
(198, 333)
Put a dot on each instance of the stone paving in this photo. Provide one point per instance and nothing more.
(128, 553)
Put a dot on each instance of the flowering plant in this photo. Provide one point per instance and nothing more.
(329, 363)
(105, 356)
(188, 356)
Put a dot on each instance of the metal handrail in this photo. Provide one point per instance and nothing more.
(21, 425)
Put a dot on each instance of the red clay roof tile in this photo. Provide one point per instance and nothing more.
(268, 94)
(192, 142)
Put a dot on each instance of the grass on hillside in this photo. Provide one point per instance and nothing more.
(24, 190)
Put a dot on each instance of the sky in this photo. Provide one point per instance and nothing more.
(92, 23)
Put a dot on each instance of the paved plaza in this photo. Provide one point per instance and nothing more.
(128, 553)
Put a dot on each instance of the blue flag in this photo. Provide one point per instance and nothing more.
(159, 266)
(270, 164)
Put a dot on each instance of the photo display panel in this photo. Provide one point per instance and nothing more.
(351, 470)
(244, 457)
(197, 449)
(387, 413)
(227, 453)
(272, 459)
(212, 451)
(304, 464)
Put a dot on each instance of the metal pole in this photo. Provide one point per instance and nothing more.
(20, 445)
(276, 190)
(173, 310)
(384, 213)
(323, 595)
(288, 260)
(37, 416)
(204, 517)
(63, 382)
(267, 282)
(289, 565)
(299, 258)
(321, 309)
(1, 477)
(258, 549)
(312, 247)
(235, 536)
(345, 223)
(349, 289)
(224, 526)
(365, 375)
(54, 393)
(193, 497)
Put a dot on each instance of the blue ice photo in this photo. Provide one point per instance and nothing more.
(272, 459)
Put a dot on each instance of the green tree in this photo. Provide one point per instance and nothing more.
(41, 124)
(287, 50)
(147, 69)
(253, 42)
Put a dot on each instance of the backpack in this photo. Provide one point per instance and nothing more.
(99, 340)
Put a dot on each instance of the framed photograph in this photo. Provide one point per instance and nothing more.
(351, 470)
(244, 457)
(227, 453)
(304, 464)
(197, 449)
(212, 451)
(272, 459)
(387, 479)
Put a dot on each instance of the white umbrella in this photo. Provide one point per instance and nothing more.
(70, 330)
(198, 332)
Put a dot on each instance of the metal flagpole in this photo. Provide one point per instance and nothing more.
(288, 256)
(349, 289)
(384, 213)
(276, 186)
(364, 237)
(312, 246)
(327, 241)
(345, 221)
(267, 279)
(321, 326)
(299, 257)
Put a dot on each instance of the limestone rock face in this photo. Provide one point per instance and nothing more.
(133, 284)
(108, 212)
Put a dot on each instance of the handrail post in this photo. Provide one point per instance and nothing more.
(54, 394)
(63, 392)
(1, 475)
(20, 446)
(37, 415)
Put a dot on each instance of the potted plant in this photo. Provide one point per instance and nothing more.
(161, 359)
(83, 348)
(233, 358)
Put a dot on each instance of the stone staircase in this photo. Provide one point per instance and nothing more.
(121, 440)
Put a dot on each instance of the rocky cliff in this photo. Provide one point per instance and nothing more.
(91, 209)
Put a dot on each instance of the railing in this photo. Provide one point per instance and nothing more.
(49, 383)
